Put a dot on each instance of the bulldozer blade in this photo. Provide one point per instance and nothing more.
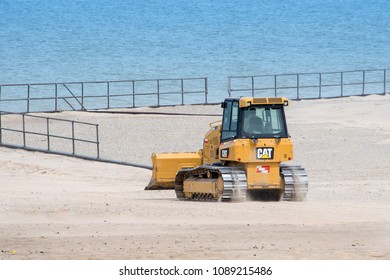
(166, 166)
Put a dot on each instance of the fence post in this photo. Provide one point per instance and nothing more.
(384, 82)
(298, 87)
(182, 91)
(48, 134)
(206, 89)
(24, 130)
(275, 85)
(82, 94)
(229, 86)
(108, 95)
(364, 83)
(320, 86)
(158, 92)
(56, 97)
(97, 141)
(73, 144)
(28, 98)
(1, 128)
(253, 86)
(341, 85)
(133, 94)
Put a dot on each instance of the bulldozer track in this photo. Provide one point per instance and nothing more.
(296, 182)
(234, 183)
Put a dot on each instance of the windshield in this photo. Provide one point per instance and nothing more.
(263, 122)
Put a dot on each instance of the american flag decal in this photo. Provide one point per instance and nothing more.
(262, 169)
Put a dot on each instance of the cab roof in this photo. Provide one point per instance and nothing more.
(248, 101)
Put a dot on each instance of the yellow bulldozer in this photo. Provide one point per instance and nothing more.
(243, 156)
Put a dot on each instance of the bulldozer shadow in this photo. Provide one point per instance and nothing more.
(264, 195)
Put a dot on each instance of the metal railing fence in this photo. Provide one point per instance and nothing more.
(60, 136)
(311, 85)
(54, 97)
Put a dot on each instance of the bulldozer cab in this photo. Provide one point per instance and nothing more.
(253, 118)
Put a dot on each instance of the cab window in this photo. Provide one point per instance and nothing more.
(229, 122)
(263, 122)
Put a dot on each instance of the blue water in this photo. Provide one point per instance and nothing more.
(56, 41)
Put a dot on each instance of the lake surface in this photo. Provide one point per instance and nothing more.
(58, 41)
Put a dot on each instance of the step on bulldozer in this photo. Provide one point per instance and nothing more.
(243, 156)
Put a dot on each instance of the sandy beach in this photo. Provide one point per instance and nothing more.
(57, 207)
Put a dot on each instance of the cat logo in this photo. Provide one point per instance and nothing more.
(265, 153)
(225, 153)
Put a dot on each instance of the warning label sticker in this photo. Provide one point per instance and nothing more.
(262, 169)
